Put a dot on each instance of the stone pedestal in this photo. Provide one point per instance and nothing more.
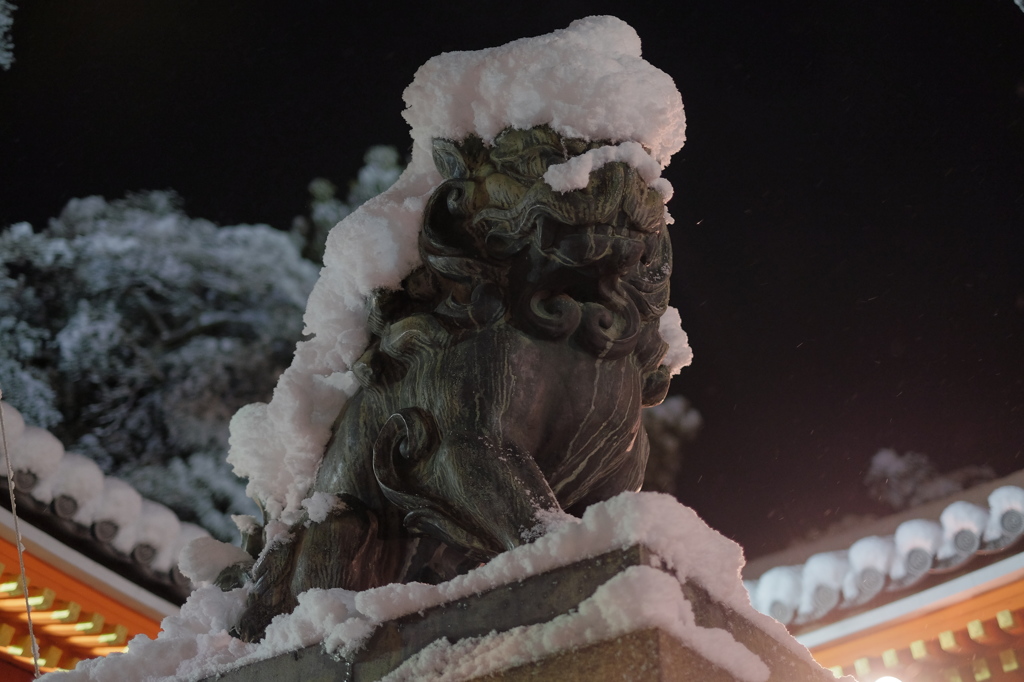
(644, 656)
(648, 655)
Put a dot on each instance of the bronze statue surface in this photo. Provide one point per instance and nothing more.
(505, 378)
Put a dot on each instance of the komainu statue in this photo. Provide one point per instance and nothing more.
(504, 379)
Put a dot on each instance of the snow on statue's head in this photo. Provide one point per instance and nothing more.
(581, 110)
(587, 81)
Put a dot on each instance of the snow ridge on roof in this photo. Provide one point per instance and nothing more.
(71, 495)
(829, 582)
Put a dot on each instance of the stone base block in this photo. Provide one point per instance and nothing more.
(644, 656)
(648, 655)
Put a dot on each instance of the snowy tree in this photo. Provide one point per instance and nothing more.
(669, 427)
(381, 170)
(904, 481)
(6, 44)
(901, 482)
(203, 484)
(134, 333)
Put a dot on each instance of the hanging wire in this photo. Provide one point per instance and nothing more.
(17, 537)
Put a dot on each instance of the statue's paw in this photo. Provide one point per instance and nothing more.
(253, 624)
(234, 576)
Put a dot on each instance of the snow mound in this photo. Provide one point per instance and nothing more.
(121, 505)
(158, 528)
(825, 570)
(37, 451)
(575, 173)
(14, 423)
(679, 353)
(1008, 498)
(960, 516)
(586, 81)
(320, 504)
(872, 553)
(778, 591)
(78, 478)
(914, 534)
(203, 558)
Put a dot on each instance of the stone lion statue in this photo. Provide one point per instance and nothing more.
(504, 379)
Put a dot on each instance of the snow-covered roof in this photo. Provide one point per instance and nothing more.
(835, 577)
(81, 609)
(104, 518)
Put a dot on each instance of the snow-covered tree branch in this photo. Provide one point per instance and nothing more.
(134, 333)
(6, 44)
(380, 170)
(670, 427)
(904, 481)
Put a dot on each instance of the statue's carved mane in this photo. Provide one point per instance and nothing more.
(590, 267)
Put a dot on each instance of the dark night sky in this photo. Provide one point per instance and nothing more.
(849, 205)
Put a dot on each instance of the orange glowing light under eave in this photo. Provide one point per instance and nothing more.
(79, 619)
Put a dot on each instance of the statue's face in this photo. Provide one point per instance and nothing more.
(496, 205)
(590, 265)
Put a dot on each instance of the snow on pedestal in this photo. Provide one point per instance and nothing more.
(195, 644)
